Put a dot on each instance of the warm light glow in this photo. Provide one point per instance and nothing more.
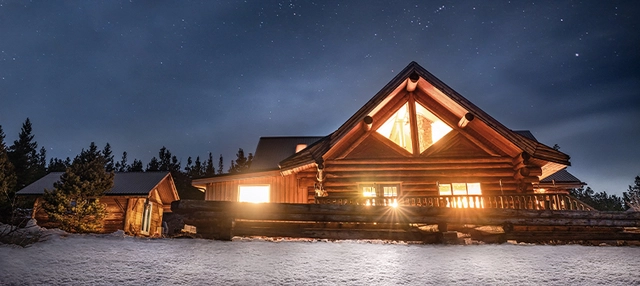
(394, 204)
(398, 129)
(430, 127)
(368, 191)
(465, 195)
(445, 189)
(391, 191)
(459, 189)
(254, 193)
(300, 147)
(474, 189)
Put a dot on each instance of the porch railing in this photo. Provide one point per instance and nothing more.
(527, 202)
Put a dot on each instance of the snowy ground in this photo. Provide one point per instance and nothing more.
(117, 259)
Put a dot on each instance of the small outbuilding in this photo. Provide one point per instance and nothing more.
(135, 204)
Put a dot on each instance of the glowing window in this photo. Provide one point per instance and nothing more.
(368, 190)
(398, 128)
(430, 128)
(254, 193)
(445, 189)
(460, 189)
(390, 191)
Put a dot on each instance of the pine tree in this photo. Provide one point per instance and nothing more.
(209, 169)
(108, 157)
(75, 200)
(153, 166)
(7, 182)
(196, 170)
(24, 157)
(137, 166)
(122, 165)
(57, 165)
(242, 163)
(220, 165)
(632, 196)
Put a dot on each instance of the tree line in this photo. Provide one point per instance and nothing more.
(22, 163)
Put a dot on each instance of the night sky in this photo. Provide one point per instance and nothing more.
(214, 76)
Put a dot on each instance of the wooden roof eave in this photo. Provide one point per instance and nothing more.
(449, 98)
(202, 182)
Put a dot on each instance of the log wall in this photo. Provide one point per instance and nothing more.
(223, 220)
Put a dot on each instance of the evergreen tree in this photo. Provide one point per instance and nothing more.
(122, 165)
(136, 166)
(153, 166)
(7, 182)
(242, 163)
(600, 201)
(632, 196)
(75, 200)
(197, 169)
(57, 165)
(24, 157)
(209, 170)
(220, 165)
(188, 167)
(108, 157)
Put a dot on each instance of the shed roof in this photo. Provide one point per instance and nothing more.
(272, 150)
(133, 183)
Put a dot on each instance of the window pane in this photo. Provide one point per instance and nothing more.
(474, 189)
(398, 128)
(430, 127)
(368, 191)
(254, 194)
(445, 189)
(459, 189)
(390, 191)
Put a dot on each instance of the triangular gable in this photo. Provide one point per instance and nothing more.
(375, 147)
(440, 99)
(456, 146)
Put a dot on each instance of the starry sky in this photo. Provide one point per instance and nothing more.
(214, 76)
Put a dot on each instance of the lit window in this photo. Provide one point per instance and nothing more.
(146, 218)
(460, 189)
(445, 189)
(390, 191)
(398, 128)
(379, 190)
(462, 195)
(254, 193)
(368, 190)
(430, 127)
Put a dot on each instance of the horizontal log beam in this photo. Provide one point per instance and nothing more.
(203, 210)
(409, 161)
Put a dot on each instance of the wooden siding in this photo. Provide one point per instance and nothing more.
(283, 189)
(123, 213)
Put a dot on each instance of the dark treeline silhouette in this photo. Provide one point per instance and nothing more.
(22, 163)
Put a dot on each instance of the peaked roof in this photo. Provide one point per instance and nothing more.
(562, 176)
(271, 150)
(314, 153)
(133, 183)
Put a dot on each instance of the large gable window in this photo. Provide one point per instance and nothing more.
(429, 128)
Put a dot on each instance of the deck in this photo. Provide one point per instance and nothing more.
(519, 220)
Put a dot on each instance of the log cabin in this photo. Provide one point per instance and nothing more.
(135, 204)
(416, 142)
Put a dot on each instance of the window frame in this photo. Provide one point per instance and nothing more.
(240, 186)
(452, 189)
(379, 189)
